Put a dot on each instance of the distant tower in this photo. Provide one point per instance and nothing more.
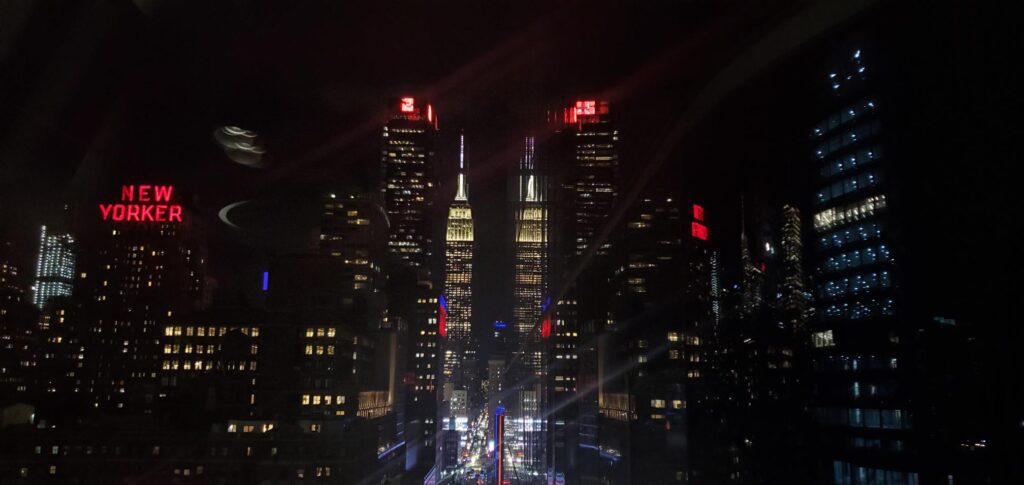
(454, 326)
(531, 259)
(794, 300)
(753, 276)
(55, 267)
(531, 324)
(716, 287)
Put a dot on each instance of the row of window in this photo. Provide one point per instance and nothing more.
(858, 309)
(845, 473)
(177, 331)
(327, 399)
(858, 233)
(855, 135)
(858, 390)
(855, 211)
(863, 418)
(854, 363)
(893, 446)
(660, 404)
(855, 284)
(848, 185)
(843, 117)
(860, 257)
(849, 162)
(200, 365)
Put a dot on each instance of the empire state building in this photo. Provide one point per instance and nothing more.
(454, 325)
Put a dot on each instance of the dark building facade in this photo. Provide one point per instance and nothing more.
(862, 339)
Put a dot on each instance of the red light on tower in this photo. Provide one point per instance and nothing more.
(430, 113)
(408, 105)
(586, 107)
(699, 231)
(698, 212)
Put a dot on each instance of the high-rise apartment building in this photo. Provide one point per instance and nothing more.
(143, 263)
(55, 267)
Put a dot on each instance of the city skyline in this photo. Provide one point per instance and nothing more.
(245, 248)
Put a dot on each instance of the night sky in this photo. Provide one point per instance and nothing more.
(100, 93)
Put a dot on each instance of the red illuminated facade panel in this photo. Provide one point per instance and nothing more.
(699, 231)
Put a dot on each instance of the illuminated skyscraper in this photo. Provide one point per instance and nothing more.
(753, 275)
(794, 300)
(590, 144)
(862, 355)
(459, 259)
(454, 325)
(531, 324)
(409, 185)
(55, 268)
(583, 157)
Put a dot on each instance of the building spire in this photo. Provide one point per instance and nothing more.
(462, 192)
(462, 150)
(744, 249)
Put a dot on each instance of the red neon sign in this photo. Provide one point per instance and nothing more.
(698, 212)
(143, 203)
(545, 327)
(408, 105)
(699, 231)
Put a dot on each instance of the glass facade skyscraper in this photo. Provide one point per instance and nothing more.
(860, 342)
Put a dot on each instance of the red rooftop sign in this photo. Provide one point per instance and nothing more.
(143, 203)
(408, 105)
